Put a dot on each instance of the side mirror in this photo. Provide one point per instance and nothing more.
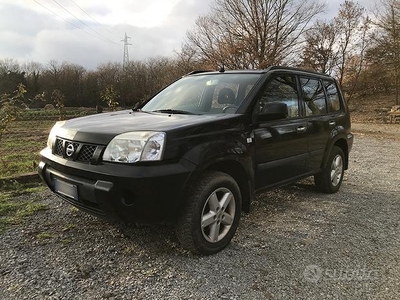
(273, 111)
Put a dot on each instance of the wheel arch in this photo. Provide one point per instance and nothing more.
(238, 173)
(342, 144)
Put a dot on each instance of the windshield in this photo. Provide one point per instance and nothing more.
(205, 94)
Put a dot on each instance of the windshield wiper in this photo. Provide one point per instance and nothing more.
(173, 111)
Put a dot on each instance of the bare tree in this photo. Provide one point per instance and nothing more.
(109, 74)
(338, 47)
(349, 23)
(54, 69)
(33, 71)
(319, 52)
(187, 60)
(386, 38)
(9, 65)
(252, 33)
(70, 84)
(356, 63)
(135, 84)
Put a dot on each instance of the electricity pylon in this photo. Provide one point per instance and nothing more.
(125, 62)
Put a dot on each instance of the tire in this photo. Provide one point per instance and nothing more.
(210, 216)
(331, 177)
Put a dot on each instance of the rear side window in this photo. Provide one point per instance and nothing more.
(314, 96)
(282, 89)
(332, 96)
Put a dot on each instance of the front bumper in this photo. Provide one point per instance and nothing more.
(131, 193)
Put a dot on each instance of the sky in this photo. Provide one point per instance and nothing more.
(89, 32)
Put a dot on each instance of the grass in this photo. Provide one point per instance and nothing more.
(44, 236)
(27, 136)
(14, 210)
(19, 154)
(20, 146)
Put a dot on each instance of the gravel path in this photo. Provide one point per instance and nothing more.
(295, 244)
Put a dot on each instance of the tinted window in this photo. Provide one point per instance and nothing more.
(314, 96)
(332, 96)
(282, 89)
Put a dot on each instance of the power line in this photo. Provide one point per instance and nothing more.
(60, 16)
(83, 22)
(93, 19)
(65, 20)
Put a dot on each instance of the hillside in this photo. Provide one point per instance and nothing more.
(371, 109)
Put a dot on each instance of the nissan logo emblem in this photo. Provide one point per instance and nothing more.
(70, 150)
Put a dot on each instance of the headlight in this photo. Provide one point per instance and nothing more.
(53, 134)
(136, 146)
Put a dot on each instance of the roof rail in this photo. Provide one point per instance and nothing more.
(295, 69)
(196, 72)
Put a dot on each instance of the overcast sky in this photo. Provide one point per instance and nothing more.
(89, 32)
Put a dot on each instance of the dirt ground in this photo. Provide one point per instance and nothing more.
(387, 131)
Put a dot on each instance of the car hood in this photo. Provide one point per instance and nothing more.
(101, 128)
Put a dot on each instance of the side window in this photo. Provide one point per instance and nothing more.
(282, 89)
(332, 96)
(314, 96)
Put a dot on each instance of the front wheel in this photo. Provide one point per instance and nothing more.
(331, 177)
(210, 216)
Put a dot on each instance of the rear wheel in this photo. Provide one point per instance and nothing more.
(211, 214)
(331, 177)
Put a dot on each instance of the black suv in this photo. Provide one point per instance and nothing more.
(196, 153)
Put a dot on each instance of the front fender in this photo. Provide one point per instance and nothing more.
(212, 152)
(231, 157)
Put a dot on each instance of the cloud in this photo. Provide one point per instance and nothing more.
(156, 27)
(18, 29)
(72, 46)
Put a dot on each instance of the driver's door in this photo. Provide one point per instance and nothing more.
(280, 145)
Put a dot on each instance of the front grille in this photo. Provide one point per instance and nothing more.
(81, 152)
(86, 153)
(59, 147)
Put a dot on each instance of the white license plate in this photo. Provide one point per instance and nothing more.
(66, 189)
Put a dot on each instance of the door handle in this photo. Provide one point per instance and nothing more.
(301, 129)
(332, 123)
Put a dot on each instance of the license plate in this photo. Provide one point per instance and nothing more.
(66, 189)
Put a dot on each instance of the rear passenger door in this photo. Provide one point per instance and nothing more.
(321, 115)
(280, 145)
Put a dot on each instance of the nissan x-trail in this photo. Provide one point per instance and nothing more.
(196, 153)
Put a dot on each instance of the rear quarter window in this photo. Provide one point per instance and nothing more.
(332, 96)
